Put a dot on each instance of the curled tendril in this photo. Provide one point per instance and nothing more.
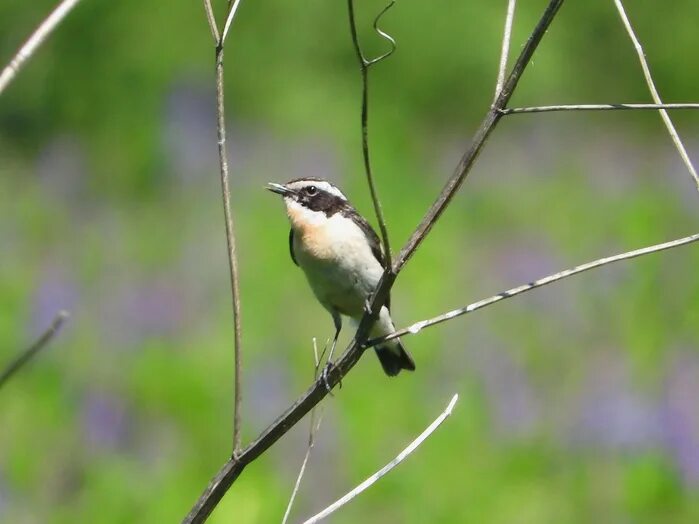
(383, 35)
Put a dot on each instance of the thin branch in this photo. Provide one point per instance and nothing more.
(505, 49)
(419, 326)
(26, 355)
(364, 65)
(388, 467)
(35, 40)
(654, 93)
(228, 216)
(312, 430)
(229, 20)
(233, 467)
(487, 125)
(383, 35)
(593, 107)
(212, 21)
(230, 241)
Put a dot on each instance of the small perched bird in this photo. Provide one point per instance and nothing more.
(342, 258)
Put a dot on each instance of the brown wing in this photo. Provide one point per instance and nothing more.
(372, 238)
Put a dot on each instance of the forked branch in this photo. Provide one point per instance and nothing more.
(654, 93)
(464, 167)
(228, 215)
(234, 466)
(364, 65)
(505, 47)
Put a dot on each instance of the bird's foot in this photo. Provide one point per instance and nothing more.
(325, 378)
(324, 375)
(367, 306)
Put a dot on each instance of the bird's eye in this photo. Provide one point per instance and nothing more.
(311, 190)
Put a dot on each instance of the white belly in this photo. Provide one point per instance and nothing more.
(338, 263)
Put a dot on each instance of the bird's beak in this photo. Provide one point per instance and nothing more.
(279, 189)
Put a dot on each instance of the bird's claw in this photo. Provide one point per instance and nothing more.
(324, 375)
(367, 306)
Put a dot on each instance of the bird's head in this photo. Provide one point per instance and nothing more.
(310, 199)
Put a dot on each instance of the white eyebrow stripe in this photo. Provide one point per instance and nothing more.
(320, 184)
(328, 187)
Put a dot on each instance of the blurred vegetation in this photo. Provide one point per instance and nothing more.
(578, 401)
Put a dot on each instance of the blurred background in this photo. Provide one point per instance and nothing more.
(578, 402)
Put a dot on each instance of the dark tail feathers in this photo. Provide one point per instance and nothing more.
(394, 357)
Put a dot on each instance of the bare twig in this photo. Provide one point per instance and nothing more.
(490, 121)
(594, 107)
(228, 216)
(312, 430)
(34, 41)
(654, 93)
(230, 471)
(487, 125)
(418, 326)
(388, 467)
(212, 21)
(230, 241)
(364, 65)
(505, 49)
(26, 355)
(383, 35)
(232, 8)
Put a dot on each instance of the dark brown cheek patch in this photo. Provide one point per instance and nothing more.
(325, 202)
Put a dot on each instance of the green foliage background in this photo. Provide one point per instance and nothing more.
(578, 401)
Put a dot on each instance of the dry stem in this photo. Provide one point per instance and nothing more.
(388, 467)
(230, 471)
(418, 326)
(26, 355)
(505, 48)
(364, 66)
(312, 430)
(593, 107)
(228, 216)
(654, 93)
(34, 41)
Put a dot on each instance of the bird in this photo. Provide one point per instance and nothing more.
(342, 258)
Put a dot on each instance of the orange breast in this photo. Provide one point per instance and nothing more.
(314, 239)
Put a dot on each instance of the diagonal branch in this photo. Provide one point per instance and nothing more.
(419, 326)
(488, 124)
(492, 118)
(388, 467)
(35, 40)
(364, 66)
(594, 107)
(654, 93)
(230, 471)
(232, 9)
(26, 355)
